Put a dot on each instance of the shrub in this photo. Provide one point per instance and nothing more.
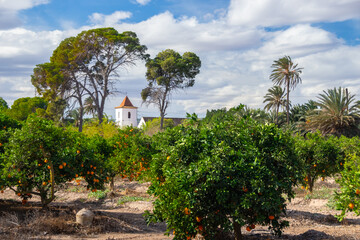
(40, 155)
(348, 199)
(131, 154)
(215, 179)
(321, 157)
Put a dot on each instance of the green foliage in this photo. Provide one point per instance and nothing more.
(6, 124)
(23, 107)
(3, 104)
(338, 114)
(131, 154)
(107, 129)
(98, 194)
(167, 72)
(40, 155)
(153, 126)
(126, 199)
(234, 172)
(275, 99)
(321, 157)
(348, 199)
(286, 73)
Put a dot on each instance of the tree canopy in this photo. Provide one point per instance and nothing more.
(167, 72)
(285, 72)
(87, 66)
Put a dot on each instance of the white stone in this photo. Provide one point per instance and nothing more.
(84, 217)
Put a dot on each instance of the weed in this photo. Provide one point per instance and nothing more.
(126, 199)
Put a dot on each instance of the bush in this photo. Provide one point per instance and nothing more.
(348, 199)
(40, 156)
(131, 154)
(215, 179)
(321, 157)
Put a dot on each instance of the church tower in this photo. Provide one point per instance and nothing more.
(126, 114)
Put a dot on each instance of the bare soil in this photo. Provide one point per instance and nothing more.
(310, 218)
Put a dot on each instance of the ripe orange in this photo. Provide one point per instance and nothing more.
(94, 168)
(322, 178)
(198, 219)
(45, 161)
(64, 163)
(77, 151)
(248, 228)
(187, 211)
(19, 194)
(61, 166)
(76, 175)
(92, 173)
(2, 191)
(1, 144)
(39, 164)
(351, 205)
(271, 217)
(357, 191)
(44, 183)
(201, 228)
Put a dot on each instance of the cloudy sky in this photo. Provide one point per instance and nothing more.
(236, 40)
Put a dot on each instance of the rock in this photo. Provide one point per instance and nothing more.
(84, 217)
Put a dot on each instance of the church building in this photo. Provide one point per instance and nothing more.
(126, 114)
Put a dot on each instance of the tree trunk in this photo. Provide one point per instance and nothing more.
(161, 121)
(112, 184)
(81, 116)
(287, 100)
(237, 231)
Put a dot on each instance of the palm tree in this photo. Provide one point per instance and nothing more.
(89, 107)
(286, 73)
(338, 114)
(275, 99)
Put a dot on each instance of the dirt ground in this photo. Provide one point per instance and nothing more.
(118, 216)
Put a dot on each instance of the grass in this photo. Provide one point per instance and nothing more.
(321, 193)
(126, 199)
(99, 194)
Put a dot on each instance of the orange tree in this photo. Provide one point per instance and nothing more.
(131, 154)
(217, 178)
(348, 198)
(40, 156)
(321, 157)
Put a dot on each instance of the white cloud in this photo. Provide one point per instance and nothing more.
(109, 20)
(236, 59)
(10, 8)
(143, 2)
(288, 12)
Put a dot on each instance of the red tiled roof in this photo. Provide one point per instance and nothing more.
(126, 103)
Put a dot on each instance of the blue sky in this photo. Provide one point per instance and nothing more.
(237, 41)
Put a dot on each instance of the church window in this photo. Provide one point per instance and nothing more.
(129, 115)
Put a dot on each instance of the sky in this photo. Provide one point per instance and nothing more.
(236, 40)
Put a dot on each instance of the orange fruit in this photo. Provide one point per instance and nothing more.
(187, 211)
(248, 228)
(1, 144)
(77, 151)
(39, 164)
(19, 194)
(44, 183)
(271, 217)
(357, 191)
(48, 167)
(351, 205)
(61, 166)
(201, 228)
(45, 161)
(76, 175)
(64, 163)
(94, 168)
(2, 191)
(245, 189)
(314, 165)
(24, 201)
(198, 219)
(92, 173)
(322, 178)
